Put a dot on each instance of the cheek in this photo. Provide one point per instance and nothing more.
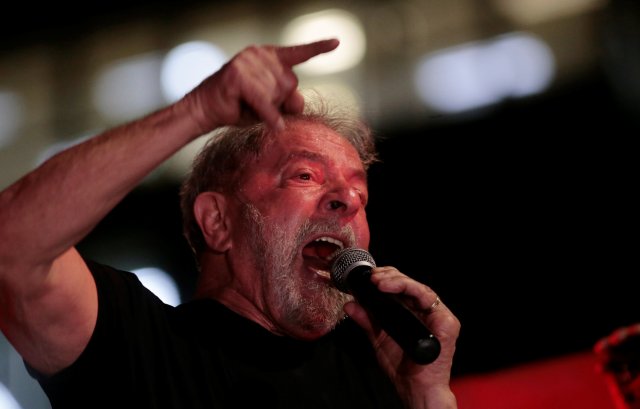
(289, 205)
(286, 209)
(361, 229)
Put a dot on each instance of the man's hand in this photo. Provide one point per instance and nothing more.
(421, 386)
(257, 84)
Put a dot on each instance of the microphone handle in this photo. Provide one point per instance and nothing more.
(398, 321)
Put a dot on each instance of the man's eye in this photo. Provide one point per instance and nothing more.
(304, 176)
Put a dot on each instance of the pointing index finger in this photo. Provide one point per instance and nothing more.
(297, 54)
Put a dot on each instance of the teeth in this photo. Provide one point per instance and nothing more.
(323, 273)
(331, 240)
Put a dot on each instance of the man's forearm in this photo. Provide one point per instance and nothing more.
(57, 204)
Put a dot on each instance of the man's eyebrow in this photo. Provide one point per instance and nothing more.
(305, 154)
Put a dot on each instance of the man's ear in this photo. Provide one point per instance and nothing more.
(210, 211)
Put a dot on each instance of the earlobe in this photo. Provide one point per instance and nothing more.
(210, 213)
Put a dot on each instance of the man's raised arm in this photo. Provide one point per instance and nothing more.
(48, 299)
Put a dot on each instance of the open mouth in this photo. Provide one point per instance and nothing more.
(318, 254)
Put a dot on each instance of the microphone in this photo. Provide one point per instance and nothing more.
(351, 273)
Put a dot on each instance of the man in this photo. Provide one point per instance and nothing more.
(265, 208)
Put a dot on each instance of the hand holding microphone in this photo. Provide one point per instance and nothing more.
(351, 273)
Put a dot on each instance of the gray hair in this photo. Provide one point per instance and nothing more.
(222, 161)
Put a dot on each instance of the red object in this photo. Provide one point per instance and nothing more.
(567, 382)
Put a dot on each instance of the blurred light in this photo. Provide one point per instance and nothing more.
(479, 74)
(328, 24)
(160, 283)
(528, 64)
(7, 401)
(129, 88)
(538, 11)
(187, 65)
(449, 80)
(11, 116)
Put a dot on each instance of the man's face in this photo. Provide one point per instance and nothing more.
(302, 200)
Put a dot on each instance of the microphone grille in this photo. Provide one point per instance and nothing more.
(346, 260)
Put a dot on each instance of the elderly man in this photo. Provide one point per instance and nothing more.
(270, 200)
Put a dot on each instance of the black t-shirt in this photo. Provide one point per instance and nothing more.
(146, 354)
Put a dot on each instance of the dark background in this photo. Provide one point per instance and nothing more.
(523, 219)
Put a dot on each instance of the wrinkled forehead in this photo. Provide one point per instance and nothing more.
(304, 140)
(314, 140)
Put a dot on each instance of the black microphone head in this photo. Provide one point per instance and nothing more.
(346, 260)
